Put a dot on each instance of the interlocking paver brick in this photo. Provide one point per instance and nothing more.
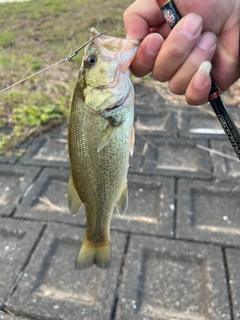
(208, 211)
(17, 239)
(200, 125)
(13, 156)
(233, 262)
(48, 151)
(151, 206)
(5, 316)
(168, 279)
(163, 123)
(148, 100)
(224, 168)
(171, 157)
(14, 181)
(47, 200)
(51, 288)
(150, 277)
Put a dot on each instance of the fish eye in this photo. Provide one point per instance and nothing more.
(90, 61)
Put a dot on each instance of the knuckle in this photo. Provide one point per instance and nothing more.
(176, 51)
(126, 15)
(176, 87)
(158, 76)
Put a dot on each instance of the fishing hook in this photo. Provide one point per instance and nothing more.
(85, 44)
(69, 58)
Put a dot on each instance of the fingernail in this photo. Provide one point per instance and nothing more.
(202, 75)
(153, 44)
(207, 41)
(192, 24)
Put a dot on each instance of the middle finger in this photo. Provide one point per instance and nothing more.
(177, 47)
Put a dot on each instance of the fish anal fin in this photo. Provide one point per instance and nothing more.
(122, 203)
(74, 202)
(107, 135)
(91, 253)
(132, 141)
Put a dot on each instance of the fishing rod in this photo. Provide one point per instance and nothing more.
(172, 17)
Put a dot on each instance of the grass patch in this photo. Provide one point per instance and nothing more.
(6, 38)
(37, 34)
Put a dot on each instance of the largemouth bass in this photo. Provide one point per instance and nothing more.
(101, 136)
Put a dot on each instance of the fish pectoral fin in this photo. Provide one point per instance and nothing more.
(74, 202)
(91, 253)
(132, 140)
(122, 203)
(107, 135)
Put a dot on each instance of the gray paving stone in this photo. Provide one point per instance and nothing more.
(5, 316)
(171, 157)
(168, 280)
(14, 180)
(60, 131)
(208, 211)
(150, 209)
(135, 161)
(150, 206)
(148, 100)
(47, 151)
(163, 123)
(47, 200)
(17, 239)
(224, 168)
(199, 124)
(12, 156)
(233, 262)
(51, 288)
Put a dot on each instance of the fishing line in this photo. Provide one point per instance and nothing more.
(69, 58)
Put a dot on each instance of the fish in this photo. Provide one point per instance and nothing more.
(100, 141)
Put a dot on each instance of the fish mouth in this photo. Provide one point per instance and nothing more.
(113, 108)
(118, 105)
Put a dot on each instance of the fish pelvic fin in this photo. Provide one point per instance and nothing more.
(107, 135)
(91, 253)
(122, 203)
(74, 202)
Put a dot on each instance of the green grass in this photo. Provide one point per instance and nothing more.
(37, 34)
(6, 38)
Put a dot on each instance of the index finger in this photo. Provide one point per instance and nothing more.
(140, 17)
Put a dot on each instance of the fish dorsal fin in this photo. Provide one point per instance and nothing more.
(107, 135)
(132, 141)
(122, 203)
(74, 202)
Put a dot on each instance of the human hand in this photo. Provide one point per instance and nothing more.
(209, 31)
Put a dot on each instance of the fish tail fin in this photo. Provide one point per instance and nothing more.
(91, 253)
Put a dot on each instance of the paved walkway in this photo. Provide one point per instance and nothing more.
(176, 253)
